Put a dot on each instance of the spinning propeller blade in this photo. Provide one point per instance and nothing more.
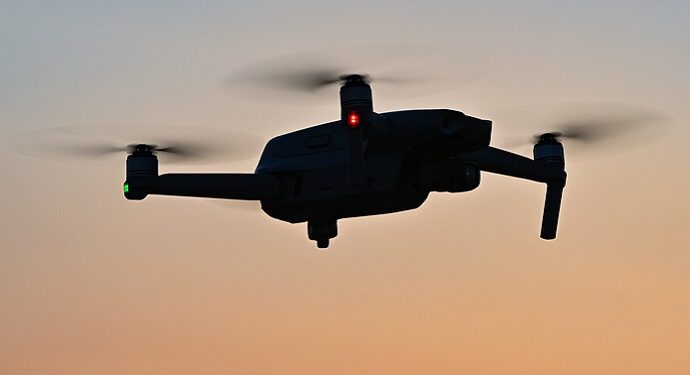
(171, 143)
(298, 79)
(607, 127)
(304, 79)
(303, 75)
(593, 131)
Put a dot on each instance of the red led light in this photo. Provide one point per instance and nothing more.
(353, 120)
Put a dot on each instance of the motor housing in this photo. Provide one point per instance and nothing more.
(142, 164)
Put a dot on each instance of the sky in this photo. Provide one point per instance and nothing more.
(92, 283)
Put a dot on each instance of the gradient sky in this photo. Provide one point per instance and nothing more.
(93, 284)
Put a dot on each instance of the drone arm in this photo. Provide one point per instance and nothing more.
(547, 171)
(245, 186)
(498, 161)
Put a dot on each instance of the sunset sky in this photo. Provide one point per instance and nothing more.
(93, 284)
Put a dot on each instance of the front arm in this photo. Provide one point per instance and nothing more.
(245, 186)
(549, 168)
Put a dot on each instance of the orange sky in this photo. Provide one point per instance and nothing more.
(91, 283)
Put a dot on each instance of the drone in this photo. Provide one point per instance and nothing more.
(365, 163)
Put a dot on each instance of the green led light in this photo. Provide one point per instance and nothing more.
(126, 188)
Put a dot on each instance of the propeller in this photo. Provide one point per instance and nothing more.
(607, 127)
(593, 131)
(302, 79)
(298, 77)
(174, 144)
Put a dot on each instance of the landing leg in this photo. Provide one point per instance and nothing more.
(322, 231)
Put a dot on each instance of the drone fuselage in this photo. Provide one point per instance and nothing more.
(405, 156)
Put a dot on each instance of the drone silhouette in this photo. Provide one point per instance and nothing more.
(365, 163)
